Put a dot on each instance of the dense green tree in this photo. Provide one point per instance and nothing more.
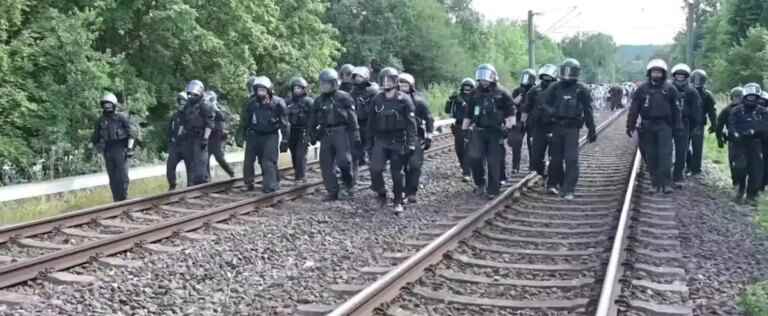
(595, 51)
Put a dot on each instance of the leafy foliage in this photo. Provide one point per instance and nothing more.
(596, 52)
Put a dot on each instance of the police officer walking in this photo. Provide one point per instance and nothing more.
(114, 136)
(569, 102)
(219, 135)
(690, 105)
(489, 113)
(299, 113)
(334, 123)
(425, 125)
(456, 107)
(198, 122)
(175, 151)
(392, 127)
(538, 123)
(515, 136)
(262, 118)
(362, 92)
(655, 101)
(695, 155)
(736, 95)
(747, 124)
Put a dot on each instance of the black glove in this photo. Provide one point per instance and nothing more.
(283, 146)
(204, 145)
(630, 131)
(410, 150)
(720, 143)
(592, 136)
(427, 143)
(712, 129)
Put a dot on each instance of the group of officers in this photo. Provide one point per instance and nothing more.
(360, 122)
(673, 114)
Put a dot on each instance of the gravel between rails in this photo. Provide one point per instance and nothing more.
(268, 268)
(724, 250)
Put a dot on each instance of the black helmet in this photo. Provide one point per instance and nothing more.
(570, 69)
(699, 78)
(528, 77)
(346, 71)
(390, 73)
(486, 72)
(329, 80)
(298, 82)
(468, 82)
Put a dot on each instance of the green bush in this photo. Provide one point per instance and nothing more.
(755, 300)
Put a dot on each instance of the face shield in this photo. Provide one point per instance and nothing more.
(389, 83)
(527, 80)
(261, 92)
(108, 107)
(327, 87)
(569, 73)
(405, 86)
(485, 75)
(357, 79)
(298, 91)
(657, 74)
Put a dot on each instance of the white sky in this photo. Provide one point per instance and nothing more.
(628, 21)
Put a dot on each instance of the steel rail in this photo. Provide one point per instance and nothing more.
(605, 305)
(70, 257)
(388, 286)
(84, 216)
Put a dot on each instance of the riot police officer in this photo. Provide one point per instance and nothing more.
(735, 99)
(299, 113)
(332, 122)
(690, 105)
(362, 92)
(114, 136)
(456, 107)
(219, 135)
(695, 155)
(262, 118)
(392, 131)
(538, 123)
(175, 151)
(425, 125)
(515, 136)
(747, 124)
(346, 78)
(656, 102)
(198, 119)
(569, 103)
(489, 112)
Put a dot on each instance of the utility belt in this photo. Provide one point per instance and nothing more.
(262, 133)
(567, 121)
(398, 137)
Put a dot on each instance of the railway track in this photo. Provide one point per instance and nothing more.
(611, 251)
(44, 247)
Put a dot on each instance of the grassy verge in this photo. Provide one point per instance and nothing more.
(35, 208)
(755, 300)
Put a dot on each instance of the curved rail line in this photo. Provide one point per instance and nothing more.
(391, 285)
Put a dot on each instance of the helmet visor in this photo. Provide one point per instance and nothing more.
(752, 90)
(527, 79)
(699, 81)
(569, 73)
(327, 86)
(485, 74)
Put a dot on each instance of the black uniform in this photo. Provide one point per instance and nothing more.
(261, 121)
(333, 121)
(196, 117)
(111, 136)
(690, 103)
(570, 106)
(516, 135)
(299, 113)
(175, 150)
(695, 155)
(456, 107)
(615, 95)
(656, 104)
(488, 109)
(362, 94)
(346, 86)
(392, 131)
(425, 125)
(746, 126)
(539, 127)
(218, 140)
(722, 120)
